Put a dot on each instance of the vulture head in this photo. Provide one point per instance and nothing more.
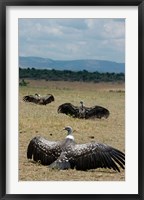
(69, 132)
(36, 94)
(82, 103)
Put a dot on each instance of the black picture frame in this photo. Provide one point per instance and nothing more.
(3, 128)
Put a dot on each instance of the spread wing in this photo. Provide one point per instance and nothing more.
(96, 112)
(43, 151)
(48, 99)
(69, 109)
(95, 155)
(90, 156)
(31, 98)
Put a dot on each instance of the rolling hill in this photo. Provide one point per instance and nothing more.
(90, 65)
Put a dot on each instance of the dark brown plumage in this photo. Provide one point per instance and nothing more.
(83, 112)
(37, 99)
(67, 154)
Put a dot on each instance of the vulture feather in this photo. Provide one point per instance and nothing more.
(37, 99)
(83, 112)
(67, 154)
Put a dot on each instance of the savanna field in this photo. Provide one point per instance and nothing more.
(44, 120)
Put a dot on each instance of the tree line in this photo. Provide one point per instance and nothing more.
(67, 75)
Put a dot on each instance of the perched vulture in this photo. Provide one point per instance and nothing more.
(37, 99)
(82, 111)
(67, 154)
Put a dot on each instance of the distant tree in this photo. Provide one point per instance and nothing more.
(67, 75)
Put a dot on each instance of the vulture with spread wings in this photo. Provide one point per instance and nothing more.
(67, 154)
(37, 99)
(82, 111)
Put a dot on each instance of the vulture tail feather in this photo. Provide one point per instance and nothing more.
(118, 161)
(111, 162)
(104, 163)
(121, 154)
(61, 165)
(114, 166)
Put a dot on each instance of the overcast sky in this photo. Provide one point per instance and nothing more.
(70, 39)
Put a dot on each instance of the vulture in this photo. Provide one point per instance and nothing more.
(37, 99)
(82, 111)
(67, 154)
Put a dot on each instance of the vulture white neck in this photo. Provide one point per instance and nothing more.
(71, 137)
(69, 134)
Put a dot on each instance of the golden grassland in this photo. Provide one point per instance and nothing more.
(45, 121)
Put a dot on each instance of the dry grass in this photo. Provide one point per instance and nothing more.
(45, 121)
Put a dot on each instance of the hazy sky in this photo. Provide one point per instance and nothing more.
(69, 39)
